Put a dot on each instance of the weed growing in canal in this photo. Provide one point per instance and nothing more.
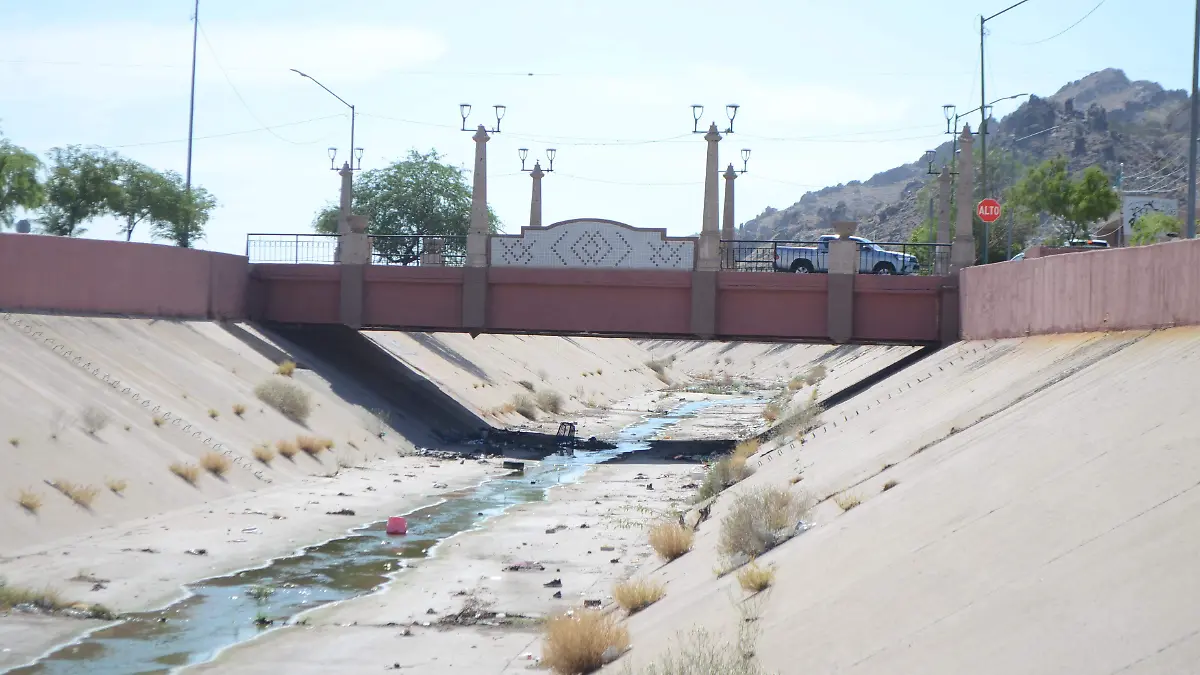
(847, 501)
(93, 420)
(82, 495)
(214, 413)
(890, 484)
(527, 384)
(704, 653)
(754, 578)
(378, 422)
(287, 449)
(47, 599)
(263, 453)
(29, 500)
(116, 485)
(239, 409)
(190, 473)
(671, 540)
(216, 463)
(159, 420)
(260, 594)
(313, 445)
(803, 420)
(14, 441)
(770, 412)
(582, 642)
(761, 520)
(726, 472)
(524, 404)
(289, 398)
(286, 368)
(550, 401)
(634, 595)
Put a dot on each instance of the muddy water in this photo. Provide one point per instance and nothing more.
(222, 611)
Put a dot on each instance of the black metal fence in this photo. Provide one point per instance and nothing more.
(386, 249)
(813, 257)
(292, 248)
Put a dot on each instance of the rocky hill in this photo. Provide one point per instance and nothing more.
(1133, 129)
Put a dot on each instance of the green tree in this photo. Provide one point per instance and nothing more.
(1073, 204)
(185, 212)
(1151, 227)
(19, 185)
(144, 194)
(82, 184)
(419, 195)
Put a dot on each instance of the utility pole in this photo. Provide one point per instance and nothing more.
(185, 240)
(1194, 130)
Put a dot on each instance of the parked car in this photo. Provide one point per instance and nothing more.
(1017, 257)
(1087, 243)
(872, 259)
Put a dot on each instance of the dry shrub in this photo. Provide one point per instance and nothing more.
(525, 405)
(263, 453)
(746, 448)
(29, 500)
(93, 420)
(159, 420)
(726, 472)
(706, 654)
(659, 366)
(116, 485)
(890, 484)
(47, 599)
(15, 442)
(239, 409)
(287, 449)
(576, 644)
(761, 520)
(215, 463)
(550, 401)
(190, 473)
(634, 595)
(815, 374)
(847, 501)
(671, 540)
(803, 420)
(286, 368)
(795, 383)
(754, 578)
(292, 401)
(770, 412)
(507, 409)
(313, 445)
(526, 383)
(82, 495)
(213, 413)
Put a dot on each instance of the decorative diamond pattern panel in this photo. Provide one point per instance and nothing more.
(592, 243)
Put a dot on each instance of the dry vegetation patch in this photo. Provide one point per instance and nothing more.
(29, 500)
(755, 578)
(671, 540)
(190, 473)
(263, 453)
(847, 501)
(761, 520)
(634, 595)
(550, 401)
(93, 420)
(239, 409)
(82, 495)
(582, 642)
(287, 449)
(525, 405)
(116, 485)
(216, 463)
(313, 445)
(286, 368)
(289, 398)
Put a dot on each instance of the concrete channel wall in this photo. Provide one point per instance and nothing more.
(1104, 290)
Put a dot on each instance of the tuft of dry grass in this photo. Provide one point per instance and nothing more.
(216, 463)
(726, 472)
(190, 473)
(286, 368)
(761, 520)
(292, 401)
(770, 412)
(527, 384)
(795, 479)
(82, 495)
(313, 445)
(890, 484)
(795, 383)
(239, 409)
(15, 442)
(47, 599)
(263, 453)
(93, 420)
(576, 644)
(116, 485)
(634, 595)
(29, 500)
(287, 449)
(524, 404)
(550, 401)
(214, 413)
(746, 449)
(671, 540)
(159, 420)
(847, 501)
(754, 578)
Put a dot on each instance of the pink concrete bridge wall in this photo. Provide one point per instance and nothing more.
(89, 276)
(1108, 289)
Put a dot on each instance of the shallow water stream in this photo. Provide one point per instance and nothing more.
(221, 612)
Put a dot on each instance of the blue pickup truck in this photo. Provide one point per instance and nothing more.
(872, 259)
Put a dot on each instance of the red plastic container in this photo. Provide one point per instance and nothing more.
(397, 525)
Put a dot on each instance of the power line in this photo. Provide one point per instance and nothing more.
(1081, 20)
(222, 135)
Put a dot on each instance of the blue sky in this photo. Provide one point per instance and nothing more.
(831, 91)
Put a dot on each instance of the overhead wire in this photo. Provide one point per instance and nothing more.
(223, 135)
(1061, 32)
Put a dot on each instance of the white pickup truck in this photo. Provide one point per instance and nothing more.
(872, 259)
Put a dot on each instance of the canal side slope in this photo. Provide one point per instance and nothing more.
(1025, 505)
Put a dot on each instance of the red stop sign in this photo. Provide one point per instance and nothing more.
(988, 210)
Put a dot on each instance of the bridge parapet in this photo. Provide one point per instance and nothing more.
(593, 243)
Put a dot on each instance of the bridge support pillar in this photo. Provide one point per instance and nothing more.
(727, 250)
(942, 256)
(843, 268)
(704, 303)
(354, 249)
(475, 273)
(962, 252)
(535, 200)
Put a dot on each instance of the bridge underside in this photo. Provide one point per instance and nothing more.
(681, 304)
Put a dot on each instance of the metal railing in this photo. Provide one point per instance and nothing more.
(309, 249)
(386, 249)
(813, 256)
(418, 250)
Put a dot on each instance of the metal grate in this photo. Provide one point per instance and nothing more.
(292, 248)
(418, 250)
